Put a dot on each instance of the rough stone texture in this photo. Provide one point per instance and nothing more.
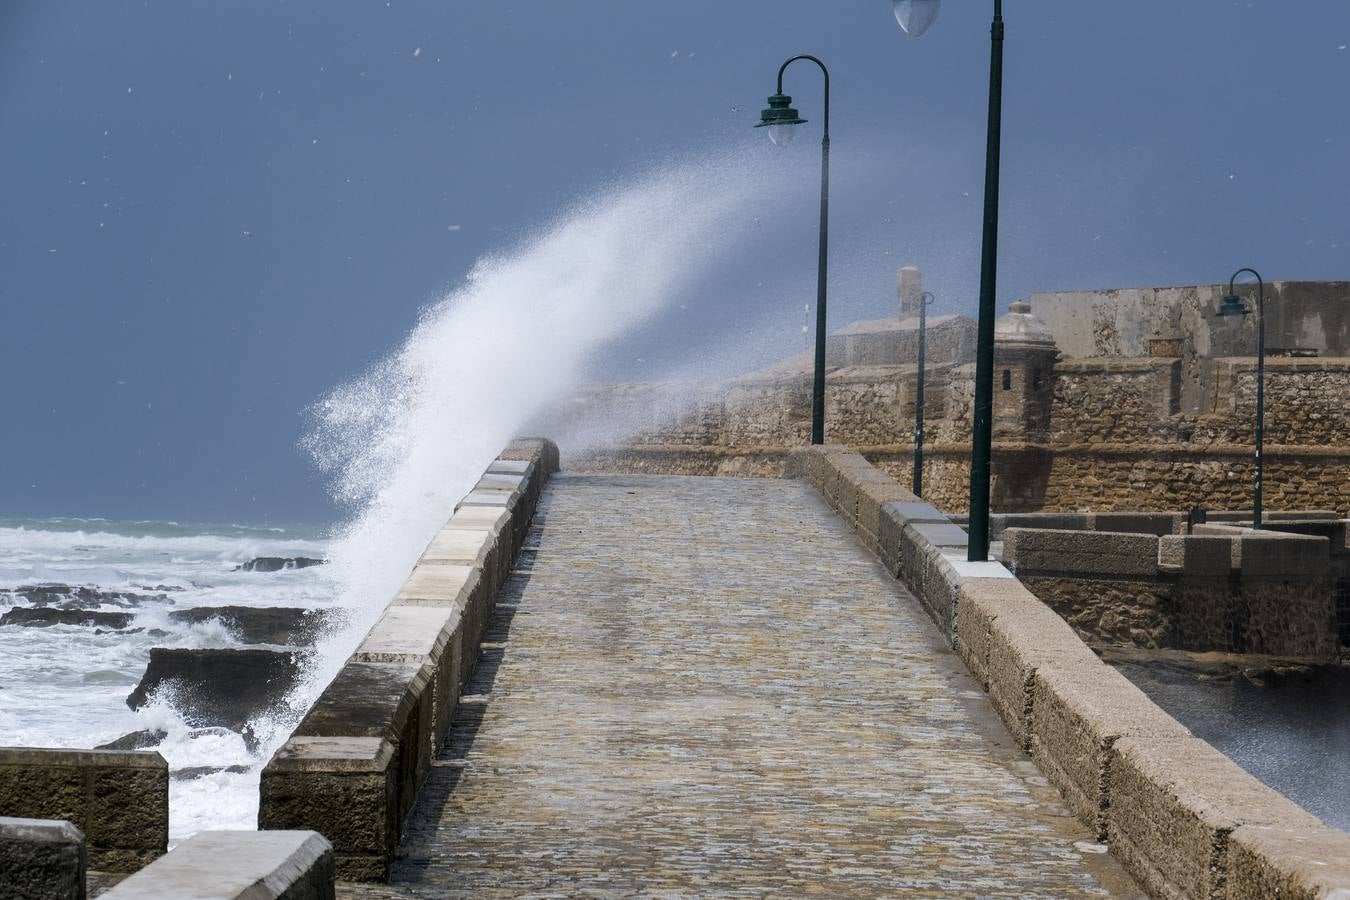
(1289, 863)
(118, 799)
(355, 763)
(237, 865)
(1175, 803)
(41, 859)
(706, 686)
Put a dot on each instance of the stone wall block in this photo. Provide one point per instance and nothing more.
(42, 859)
(1174, 804)
(349, 786)
(1272, 554)
(981, 601)
(1078, 711)
(1198, 556)
(1302, 863)
(118, 799)
(1081, 552)
(234, 865)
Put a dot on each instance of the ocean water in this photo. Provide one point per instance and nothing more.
(67, 685)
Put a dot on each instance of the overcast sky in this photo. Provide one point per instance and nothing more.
(211, 213)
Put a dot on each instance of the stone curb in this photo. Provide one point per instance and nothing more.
(352, 768)
(237, 865)
(1185, 820)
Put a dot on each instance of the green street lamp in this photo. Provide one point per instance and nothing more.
(1232, 305)
(914, 17)
(917, 482)
(780, 119)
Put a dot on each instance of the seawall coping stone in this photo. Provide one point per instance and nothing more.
(1291, 863)
(1196, 556)
(1078, 711)
(501, 466)
(42, 859)
(1174, 804)
(1276, 553)
(353, 766)
(237, 865)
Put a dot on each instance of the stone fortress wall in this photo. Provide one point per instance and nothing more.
(1122, 399)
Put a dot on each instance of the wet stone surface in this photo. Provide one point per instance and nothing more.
(696, 686)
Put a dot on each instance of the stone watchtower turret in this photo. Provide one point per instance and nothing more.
(1024, 368)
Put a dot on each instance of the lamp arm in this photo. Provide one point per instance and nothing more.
(825, 71)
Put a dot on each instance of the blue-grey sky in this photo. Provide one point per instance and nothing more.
(211, 213)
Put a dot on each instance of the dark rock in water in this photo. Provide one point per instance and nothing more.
(40, 617)
(68, 596)
(290, 626)
(137, 740)
(277, 563)
(222, 688)
(199, 771)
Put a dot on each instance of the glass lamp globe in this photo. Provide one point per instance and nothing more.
(781, 134)
(915, 16)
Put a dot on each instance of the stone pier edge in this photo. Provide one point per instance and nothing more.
(1184, 820)
(352, 768)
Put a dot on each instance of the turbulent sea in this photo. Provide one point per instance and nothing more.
(67, 685)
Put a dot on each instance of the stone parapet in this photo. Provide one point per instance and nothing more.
(1222, 588)
(118, 799)
(41, 859)
(353, 766)
(1184, 819)
(237, 865)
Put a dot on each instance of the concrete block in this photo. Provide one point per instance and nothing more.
(471, 517)
(1019, 644)
(476, 497)
(509, 467)
(439, 584)
(915, 511)
(345, 788)
(1173, 805)
(41, 859)
(1265, 554)
(1196, 556)
(502, 482)
(1080, 552)
(460, 546)
(979, 602)
(237, 865)
(1137, 522)
(118, 799)
(1292, 863)
(1079, 709)
(938, 534)
(422, 635)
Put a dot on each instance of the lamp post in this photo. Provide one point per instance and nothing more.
(924, 300)
(914, 17)
(779, 118)
(1232, 305)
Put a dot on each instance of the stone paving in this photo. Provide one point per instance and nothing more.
(704, 686)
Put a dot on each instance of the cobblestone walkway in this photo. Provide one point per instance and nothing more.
(701, 686)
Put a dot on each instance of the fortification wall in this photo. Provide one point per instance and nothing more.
(1117, 436)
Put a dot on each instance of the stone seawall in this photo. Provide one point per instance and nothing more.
(119, 799)
(1185, 820)
(353, 766)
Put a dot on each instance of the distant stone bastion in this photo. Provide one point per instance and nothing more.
(1103, 400)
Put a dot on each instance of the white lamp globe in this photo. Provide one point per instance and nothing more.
(915, 16)
(782, 135)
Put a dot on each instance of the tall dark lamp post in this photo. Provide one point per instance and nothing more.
(780, 118)
(924, 300)
(914, 17)
(1232, 305)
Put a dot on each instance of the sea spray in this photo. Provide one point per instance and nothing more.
(403, 442)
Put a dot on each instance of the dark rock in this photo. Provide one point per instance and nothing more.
(277, 563)
(199, 771)
(222, 688)
(39, 617)
(137, 740)
(291, 626)
(68, 596)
